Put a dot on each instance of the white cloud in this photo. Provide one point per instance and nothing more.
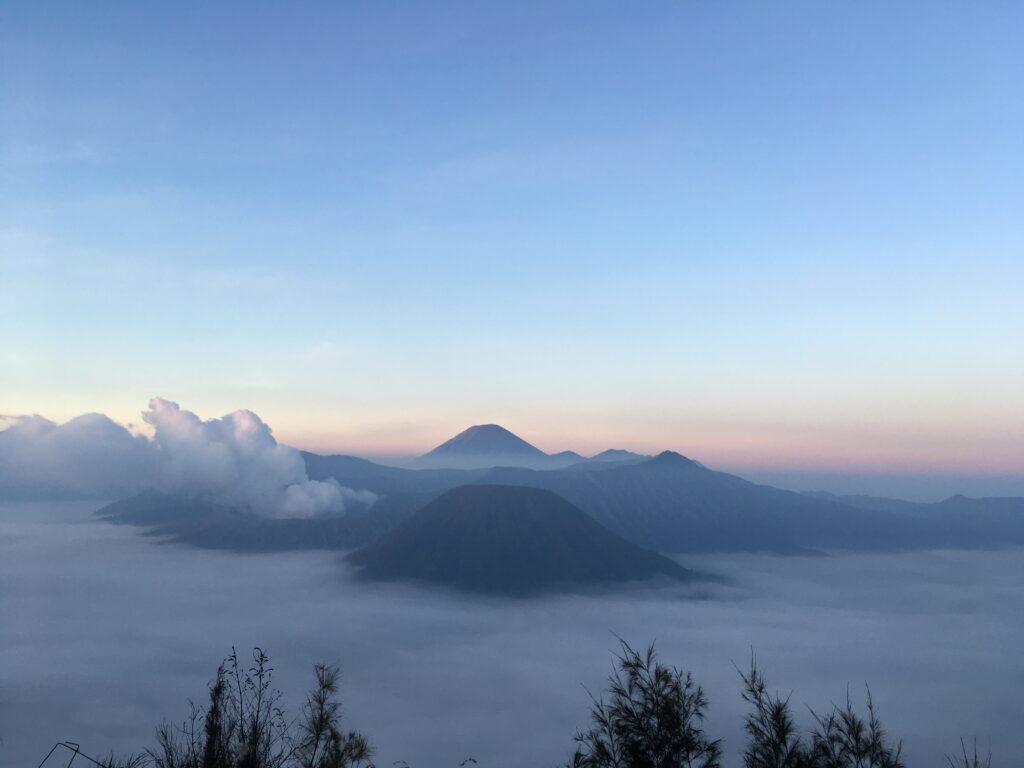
(234, 460)
(89, 456)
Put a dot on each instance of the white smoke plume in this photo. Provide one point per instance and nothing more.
(234, 460)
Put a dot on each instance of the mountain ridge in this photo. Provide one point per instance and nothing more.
(482, 446)
(668, 503)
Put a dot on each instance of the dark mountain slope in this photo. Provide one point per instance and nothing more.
(958, 522)
(354, 472)
(877, 503)
(668, 503)
(402, 491)
(202, 523)
(974, 522)
(508, 540)
(674, 504)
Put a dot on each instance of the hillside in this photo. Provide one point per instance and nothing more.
(675, 504)
(201, 523)
(508, 540)
(672, 503)
(958, 522)
(668, 503)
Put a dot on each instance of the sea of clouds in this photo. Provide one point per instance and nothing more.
(104, 633)
(234, 460)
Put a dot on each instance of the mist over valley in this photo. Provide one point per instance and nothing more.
(467, 604)
(109, 632)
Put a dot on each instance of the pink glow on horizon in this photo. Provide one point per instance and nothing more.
(815, 450)
(982, 445)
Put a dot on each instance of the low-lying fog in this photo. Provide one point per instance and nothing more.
(104, 632)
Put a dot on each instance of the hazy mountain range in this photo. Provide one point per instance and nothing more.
(483, 536)
(490, 445)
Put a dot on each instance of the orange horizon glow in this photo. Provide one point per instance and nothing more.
(866, 445)
(897, 454)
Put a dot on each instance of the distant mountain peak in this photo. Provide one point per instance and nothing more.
(671, 458)
(476, 428)
(486, 439)
(567, 455)
(485, 445)
(617, 454)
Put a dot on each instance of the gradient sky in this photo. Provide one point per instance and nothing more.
(782, 235)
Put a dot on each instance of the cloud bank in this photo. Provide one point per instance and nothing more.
(435, 677)
(234, 460)
(90, 456)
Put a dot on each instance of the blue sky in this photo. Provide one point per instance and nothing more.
(765, 234)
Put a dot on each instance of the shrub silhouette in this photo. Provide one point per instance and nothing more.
(773, 741)
(652, 718)
(244, 725)
(969, 760)
(322, 744)
(841, 739)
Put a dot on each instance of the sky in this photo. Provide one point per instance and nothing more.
(770, 236)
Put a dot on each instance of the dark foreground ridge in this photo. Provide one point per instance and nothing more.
(509, 540)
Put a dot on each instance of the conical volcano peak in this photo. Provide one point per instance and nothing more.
(509, 540)
(487, 438)
(484, 445)
(672, 458)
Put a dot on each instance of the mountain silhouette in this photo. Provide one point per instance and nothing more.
(618, 455)
(491, 445)
(508, 540)
(566, 457)
(486, 439)
(676, 504)
(959, 522)
(668, 503)
(484, 445)
(203, 523)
